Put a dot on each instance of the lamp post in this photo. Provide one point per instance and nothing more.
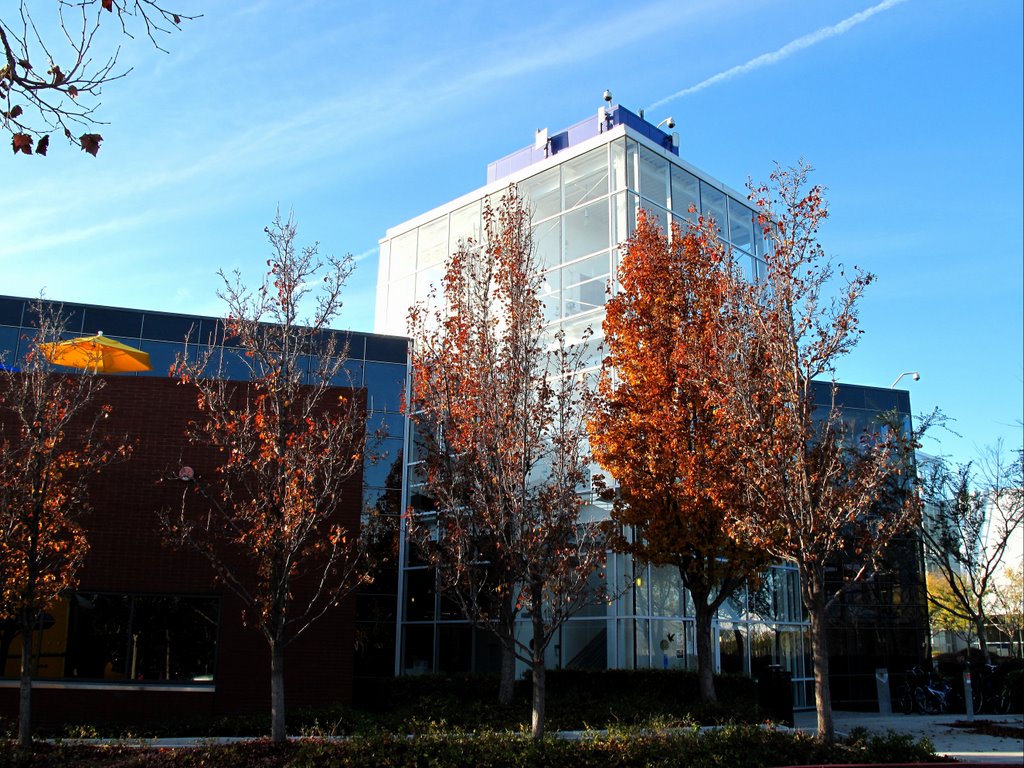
(915, 374)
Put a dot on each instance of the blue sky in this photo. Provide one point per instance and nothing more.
(359, 117)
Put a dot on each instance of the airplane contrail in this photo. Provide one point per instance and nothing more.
(767, 59)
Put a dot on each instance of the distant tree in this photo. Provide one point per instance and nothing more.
(56, 61)
(971, 518)
(291, 446)
(818, 488)
(940, 617)
(498, 406)
(1006, 610)
(52, 443)
(674, 336)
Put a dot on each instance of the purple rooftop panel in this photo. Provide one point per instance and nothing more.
(576, 134)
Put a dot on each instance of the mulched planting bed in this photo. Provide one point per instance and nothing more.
(991, 728)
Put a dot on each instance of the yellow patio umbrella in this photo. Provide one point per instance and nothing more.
(97, 353)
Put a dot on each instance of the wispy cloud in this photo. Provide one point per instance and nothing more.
(767, 59)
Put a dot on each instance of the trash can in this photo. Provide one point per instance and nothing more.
(775, 694)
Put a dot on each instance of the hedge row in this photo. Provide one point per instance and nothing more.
(575, 699)
(734, 746)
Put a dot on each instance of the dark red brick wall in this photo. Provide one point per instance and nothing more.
(127, 554)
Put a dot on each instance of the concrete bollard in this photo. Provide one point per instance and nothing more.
(884, 696)
(968, 695)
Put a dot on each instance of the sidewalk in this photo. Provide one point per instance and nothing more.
(959, 743)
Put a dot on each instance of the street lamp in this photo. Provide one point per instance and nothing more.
(915, 374)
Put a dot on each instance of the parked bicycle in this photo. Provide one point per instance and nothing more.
(923, 691)
(989, 690)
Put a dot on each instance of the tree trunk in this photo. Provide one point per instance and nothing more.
(819, 653)
(506, 686)
(979, 627)
(277, 718)
(539, 681)
(507, 624)
(703, 615)
(25, 685)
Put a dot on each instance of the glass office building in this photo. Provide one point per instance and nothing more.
(585, 187)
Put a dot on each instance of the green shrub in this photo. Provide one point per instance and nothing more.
(733, 746)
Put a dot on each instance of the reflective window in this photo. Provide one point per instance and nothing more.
(350, 374)
(433, 243)
(113, 322)
(9, 345)
(11, 311)
(169, 327)
(685, 193)
(403, 254)
(385, 383)
(543, 192)
(653, 177)
(585, 178)
(666, 591)
(712, 202)
(386, 470)
(162, 355)
(741, 226)
(586, 269)
(465, 225)
(229, 363)
(419, 595)
(618, 165)
(137, 638)
(759, 243)
(583, 297)
(550, 294)
(547, 243)
(584, 645)
(660, 216)
(732, 639)
(400, 296)
(576, 329)
(386, 425)
(585, 230)
(418, 649)
(624, 208)
(427, 280)
(632, 169)
(673, 644)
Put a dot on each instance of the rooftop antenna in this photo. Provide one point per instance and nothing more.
(602, 112)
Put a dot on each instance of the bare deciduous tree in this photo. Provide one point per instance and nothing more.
(972, 516)
(820, 489)
(278, 520)
(58, 55)
(52, 443)
(500, 409)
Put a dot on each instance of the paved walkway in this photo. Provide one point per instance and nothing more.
(959, 743)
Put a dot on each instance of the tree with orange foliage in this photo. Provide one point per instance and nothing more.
(673, 333)
(498, 405)
(270, 521)
(51, 444)
(818, 489)
(50, 75)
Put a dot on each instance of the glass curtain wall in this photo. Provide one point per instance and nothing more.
(582, 209)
